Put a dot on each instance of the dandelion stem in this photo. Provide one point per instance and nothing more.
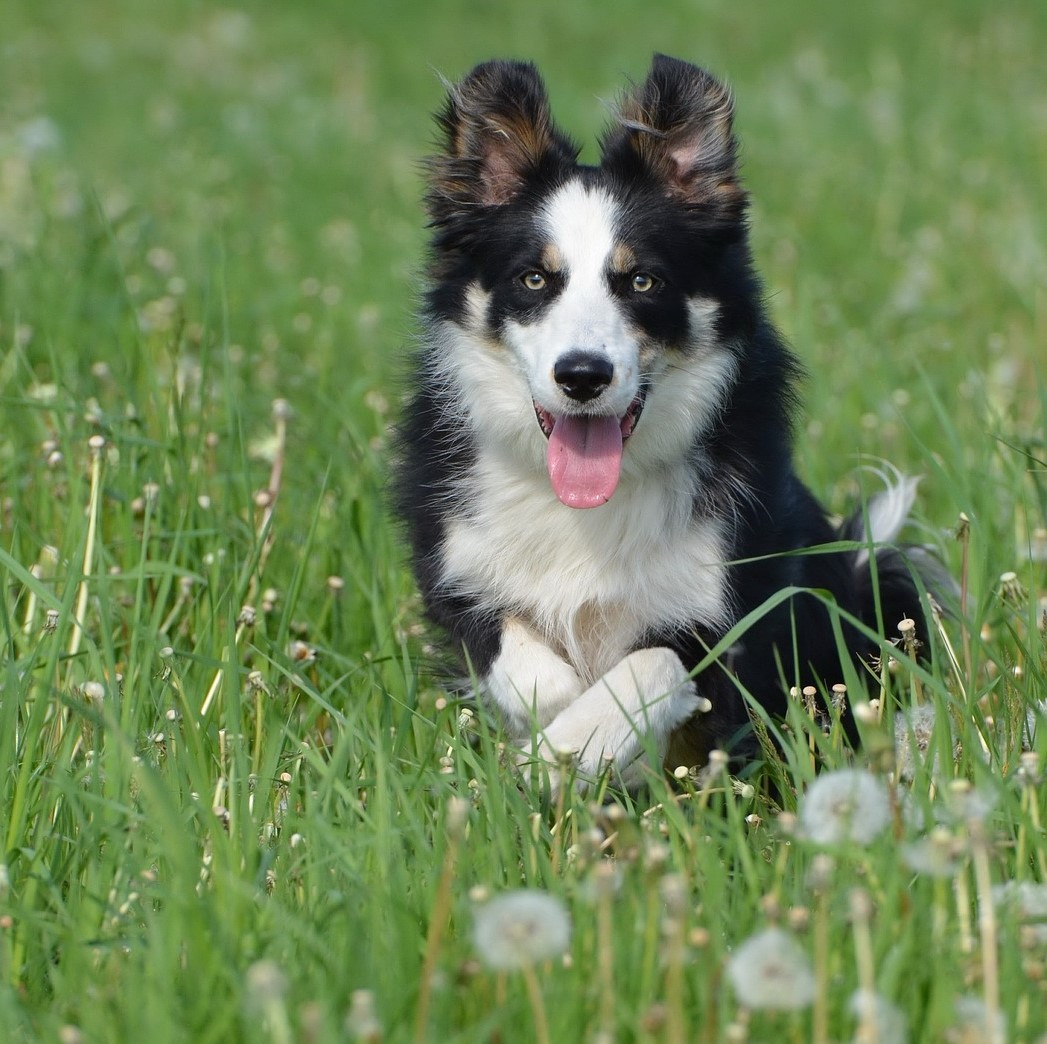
(1034, 815)
(986, 929)
(963, 912)
(820, 1028)
(30, 604)
(964, 535)
(961, 678)
(603, 876)
(534, 995)
(457, 817)
(97, 444)
(281, 412)
(675, 1032)
(939, 913)
(863, 953)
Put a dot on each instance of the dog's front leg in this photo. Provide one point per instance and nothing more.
(528, 683)
(636, 704)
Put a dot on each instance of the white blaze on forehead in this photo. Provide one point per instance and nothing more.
(580, 222)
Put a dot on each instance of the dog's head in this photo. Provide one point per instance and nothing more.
(581, 295)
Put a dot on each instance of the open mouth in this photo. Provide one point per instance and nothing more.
(584, 457)
(546, 421)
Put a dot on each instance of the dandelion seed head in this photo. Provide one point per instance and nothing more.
(845, 805)
(1027, 901)
(967, 804)
(361, 1021)
(820, 873)
(675, 894)
(865, 712)
(913, 732)
(975, 1023)
(265, 982)
(879, 1020)
(521, 928)
(1029, 768)
(936, 855)
(770, 970)
(1011, 589)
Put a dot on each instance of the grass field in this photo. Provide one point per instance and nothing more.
(233, 803)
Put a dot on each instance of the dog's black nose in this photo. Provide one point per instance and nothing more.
(583, 375)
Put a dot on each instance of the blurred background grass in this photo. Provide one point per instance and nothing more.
(204, 208)
(266, 159)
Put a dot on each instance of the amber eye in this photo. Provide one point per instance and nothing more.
(533, 280)
(642, 283)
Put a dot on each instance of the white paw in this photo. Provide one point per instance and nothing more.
(632, 709)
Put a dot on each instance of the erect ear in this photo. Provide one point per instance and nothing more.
(498, 134)
(678, 125)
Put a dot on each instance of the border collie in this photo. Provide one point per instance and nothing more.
(595, 465)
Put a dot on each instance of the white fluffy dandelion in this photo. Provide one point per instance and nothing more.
(939, 854)
(976, 1024)
(1027, 902)
(878, 1019)
(770, 970)
(845, 805)
(913, 733)
(519, 929)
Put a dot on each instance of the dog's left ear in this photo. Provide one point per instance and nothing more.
(678, 126)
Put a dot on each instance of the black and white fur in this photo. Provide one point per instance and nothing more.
(621, 294)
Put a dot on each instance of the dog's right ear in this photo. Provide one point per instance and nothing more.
(498, 135)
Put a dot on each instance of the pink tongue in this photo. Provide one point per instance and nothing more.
(585, 459)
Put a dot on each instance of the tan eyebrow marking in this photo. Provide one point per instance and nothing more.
(552, 259)
(622, 259)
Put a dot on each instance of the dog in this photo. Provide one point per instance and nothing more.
(595, 460)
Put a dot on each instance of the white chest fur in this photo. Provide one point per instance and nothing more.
(590, 582)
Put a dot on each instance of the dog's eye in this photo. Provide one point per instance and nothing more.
(533, 280)
(642, 283)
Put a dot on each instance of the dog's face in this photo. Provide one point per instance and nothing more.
(582, 295)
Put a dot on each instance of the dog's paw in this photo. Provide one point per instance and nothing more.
(528, 682)
(668, 695)
(631, 710)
